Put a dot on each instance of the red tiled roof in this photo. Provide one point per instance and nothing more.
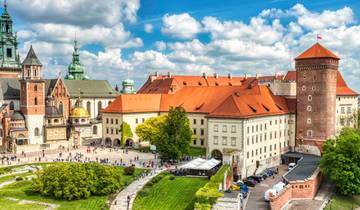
(214, 100)
(342, 88)
(254, 102)
(128, 103)
(317, 51)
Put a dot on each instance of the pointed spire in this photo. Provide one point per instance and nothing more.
(5, 5)
(31, 58)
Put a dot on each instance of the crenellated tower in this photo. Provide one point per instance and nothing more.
(316, 70)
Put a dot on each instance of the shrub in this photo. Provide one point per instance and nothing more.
(172, 177)
(206, 196)
(72, 181)
(129, 170)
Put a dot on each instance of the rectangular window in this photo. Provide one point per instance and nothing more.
(233, 129)
(309, 133)
(194, 131)
(342, 110)
(247, 155)
(257, 128)
(202, 121)
(264, 148)
(117, 121)
(216, 140)
(194, 121)
(216, 128)
(349, 109)
(224, 129)
(112, 121)
(256, 152)
(143, 120)
(233, 141)
(252, 139)
(260, 151)
(248, 129)
(107, 130)
(309, 97)
(202, 142)
(224, 140)
(194, 141)
(270, 147)
(202, 131)
(8, 53)
(309, 108)
(107, 120)
(117, 131)
(248, 140)
(136, 120)
(252, 153)
(112, 130)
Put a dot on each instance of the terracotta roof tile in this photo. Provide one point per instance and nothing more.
(316, 51)
(130, 103)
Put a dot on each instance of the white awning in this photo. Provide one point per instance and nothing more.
(201, 164)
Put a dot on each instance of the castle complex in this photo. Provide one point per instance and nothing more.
(248, 122)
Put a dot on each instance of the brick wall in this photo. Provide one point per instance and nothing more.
(304, 189)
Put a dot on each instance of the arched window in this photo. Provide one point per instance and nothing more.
(11, 105)
(36, 132)
(95, 130)
(61, 107)
(36, 101)
(99, 107)
(88, 107)
(35, 88)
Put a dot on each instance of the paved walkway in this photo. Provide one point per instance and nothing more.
(120, 202)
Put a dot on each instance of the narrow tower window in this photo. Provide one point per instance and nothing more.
(36, 101)
(35, 88)
(309, 97)
(309, 108)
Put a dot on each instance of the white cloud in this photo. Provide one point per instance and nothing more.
(148, 28)
(160, 45)
(76, 12)
(181, 26)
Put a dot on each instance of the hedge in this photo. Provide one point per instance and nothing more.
(206, 196)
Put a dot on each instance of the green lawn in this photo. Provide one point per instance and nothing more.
(339, 202)
(196, 151)
(20, 190)
(169, 194)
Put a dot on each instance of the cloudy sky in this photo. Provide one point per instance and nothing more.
(132, 38)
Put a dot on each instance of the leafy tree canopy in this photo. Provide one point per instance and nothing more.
(125, 132)
(341, 161)
(175, 135)
(150, 129)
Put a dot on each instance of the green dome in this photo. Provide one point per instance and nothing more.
(128, 82)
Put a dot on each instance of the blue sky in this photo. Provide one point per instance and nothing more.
(132, 38)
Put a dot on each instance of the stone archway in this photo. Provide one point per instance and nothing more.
(129, 143)
(108, 142)
(117, 143)
(217, 155)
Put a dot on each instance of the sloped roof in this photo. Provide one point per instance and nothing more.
(317, 51)
(251, 102)
(9, 89)
(342, 88)
(49, 85)
(170, 84)
(128, 103)
(31, 58)
(90, 88)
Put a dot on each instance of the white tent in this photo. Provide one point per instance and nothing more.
(201, 164)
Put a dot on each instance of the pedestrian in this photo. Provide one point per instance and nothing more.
(128, 201)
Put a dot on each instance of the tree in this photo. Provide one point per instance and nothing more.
(125, 132)
(341, 161)
(150, 129)
(175, 135)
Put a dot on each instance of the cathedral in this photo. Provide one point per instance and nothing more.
(38, 112)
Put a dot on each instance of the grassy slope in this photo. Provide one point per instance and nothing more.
(343, 203)
(168, 194)
(13, 205)
(19, 190)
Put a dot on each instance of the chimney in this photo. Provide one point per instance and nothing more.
(216, 75)
(205, 75)
(169, 74)
(245, 76)
(156, 74)
(257, 76)
(229, 76)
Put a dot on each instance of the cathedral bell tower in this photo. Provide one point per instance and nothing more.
(10, 66)
(32, 97)
(316, 72)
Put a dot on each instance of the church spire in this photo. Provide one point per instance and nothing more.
(76, 70)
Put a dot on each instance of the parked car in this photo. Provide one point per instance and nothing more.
(269, 172)
(291, 166)
(268, 192)
(263, 174)
(250, 182)
(258, 179)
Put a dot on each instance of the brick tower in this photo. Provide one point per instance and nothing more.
(32, 97)
(316, 70)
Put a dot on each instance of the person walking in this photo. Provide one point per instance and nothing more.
(128, 202)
